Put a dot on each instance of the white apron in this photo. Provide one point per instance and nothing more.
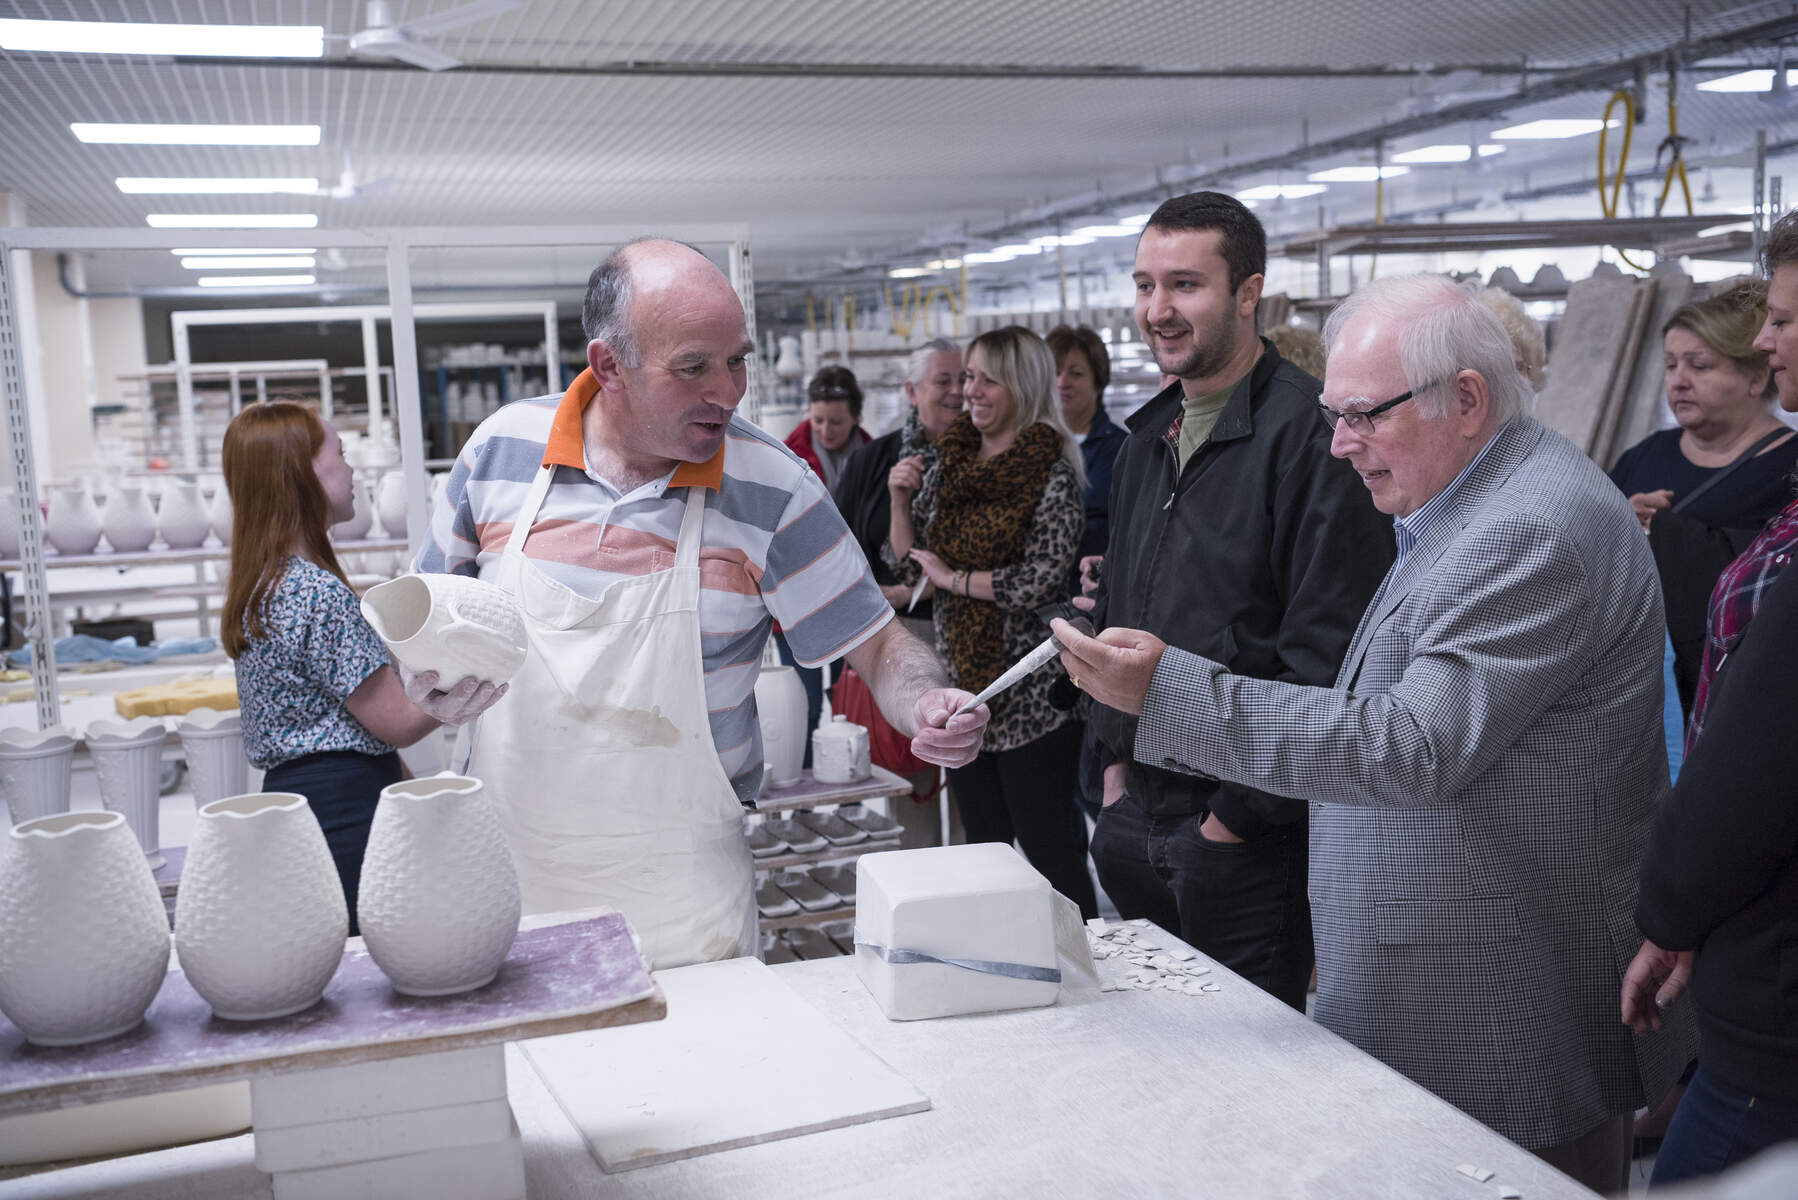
(600, 757)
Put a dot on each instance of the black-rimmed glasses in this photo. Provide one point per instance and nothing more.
(1361, 420)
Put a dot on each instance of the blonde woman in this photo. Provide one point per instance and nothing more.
(995, 524)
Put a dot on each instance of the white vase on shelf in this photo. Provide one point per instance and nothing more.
(127, 759)
(182, 519)
(260, 920)
(73, 526)
(128, 521)
(363, 516)
(790, 364)
(438, 902)
(34, 771)
(84, 939)
(220, 514)
(213, 744)
(9, 523)
(781, 709)
(390, 504)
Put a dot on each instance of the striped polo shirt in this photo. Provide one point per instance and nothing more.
(774, 547)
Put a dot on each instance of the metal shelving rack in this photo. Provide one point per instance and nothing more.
(809, 794)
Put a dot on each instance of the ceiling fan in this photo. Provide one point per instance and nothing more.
(405, 41)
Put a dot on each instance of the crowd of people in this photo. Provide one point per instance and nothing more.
(1374, 684)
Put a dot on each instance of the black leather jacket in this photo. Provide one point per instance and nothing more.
(1261, 555)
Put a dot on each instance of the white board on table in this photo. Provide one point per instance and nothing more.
(739, 1060)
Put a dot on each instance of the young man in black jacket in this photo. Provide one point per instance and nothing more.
(1236, 535)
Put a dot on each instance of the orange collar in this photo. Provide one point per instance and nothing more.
(565, 445)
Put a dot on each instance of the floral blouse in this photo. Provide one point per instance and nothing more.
(1038, 578)
(292, 684)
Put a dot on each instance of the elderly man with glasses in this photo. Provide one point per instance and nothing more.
(1483, 772)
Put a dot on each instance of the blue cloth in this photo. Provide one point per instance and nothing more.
(1718, 1125)
(83, 648)
(316, 649)
(1098, 451)
(1673, 714)
(1411, 530)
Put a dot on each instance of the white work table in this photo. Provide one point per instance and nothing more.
(1132, 1093)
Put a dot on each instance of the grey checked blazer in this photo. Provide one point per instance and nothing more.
(1483, 776)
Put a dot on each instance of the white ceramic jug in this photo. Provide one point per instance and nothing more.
(357, 527)
(455, 625)
(260, 920)
(128, 521)
(128, 763)
(34, 771)
(220, 513)
(84, 940)
(840, 752)
(780, 707)
(73, 525)
(213, 744)
(390, 504)
(438, 903)
(182, 519)
(9, 523)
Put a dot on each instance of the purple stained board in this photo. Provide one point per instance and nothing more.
(558, 978)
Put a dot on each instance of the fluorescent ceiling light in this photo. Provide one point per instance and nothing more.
(140, 186)
(197, 135)
(1107, 231)
(1357, 174)
(1018, 249)
(132, 37)
(1445, 154)
(1732, 227)
(256, 280)
(1281, 191)
(232, 220)
(906, 272)
(1748, 81)
(1135, 220)
(1049, 240)
(284, 262)
(184, 251)
(943, 264)
(976, 257)
(1535, 131)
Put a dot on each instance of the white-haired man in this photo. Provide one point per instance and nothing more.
(1484, 770)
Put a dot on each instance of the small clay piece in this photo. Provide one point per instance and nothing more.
(812, 896)
(1507, 1192)
(840, 880)
(1477, 1174)
(770, 901)
(809, 943)
(832, 828)
(763, 844)
(798, 838)
(775, 950)
(869, 821)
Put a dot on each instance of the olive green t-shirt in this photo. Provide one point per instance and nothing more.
(1201, 414)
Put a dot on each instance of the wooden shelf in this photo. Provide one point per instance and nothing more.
(786, 862)
(803, 919)
(809, 793)
(198, 554)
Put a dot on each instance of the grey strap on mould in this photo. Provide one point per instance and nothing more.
(900, 958)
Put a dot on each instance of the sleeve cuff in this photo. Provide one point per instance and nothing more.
(1171, 731)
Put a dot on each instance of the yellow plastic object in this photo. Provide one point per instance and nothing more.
(173, 699)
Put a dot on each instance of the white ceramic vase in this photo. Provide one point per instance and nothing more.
(840, 752)
(34, 771)
(128, 521)
(390, 504)
(357, 527)
(455, 625)
(182, 519)
(213, 744)
(73, 525)
(260, 920)
(220, 514)
(780, 706)
(438, 903)
(128, 763)
(9, 523)
(789, 364)
(84, 940)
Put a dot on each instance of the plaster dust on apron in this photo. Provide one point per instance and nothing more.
(600, 756)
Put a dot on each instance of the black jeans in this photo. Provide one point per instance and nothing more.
(1242, 903)
(342, 787)
(1027, 795)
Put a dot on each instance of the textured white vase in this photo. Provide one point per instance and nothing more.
(780, 706)
(73, 525)
(455, 625)
(789, 364)
(356, 528)
(9, 523)
(127, 758)
(438, 902)
(84, 940)
(213, 744)
(390, 504)
(34, 771)
(128, 521)
(220, 513)
(182, 519)
(260, 920)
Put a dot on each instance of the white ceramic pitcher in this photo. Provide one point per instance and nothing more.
(455, 625)
(128, 763)
(34, 771)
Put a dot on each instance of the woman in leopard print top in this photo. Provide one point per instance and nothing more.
(995, 524)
